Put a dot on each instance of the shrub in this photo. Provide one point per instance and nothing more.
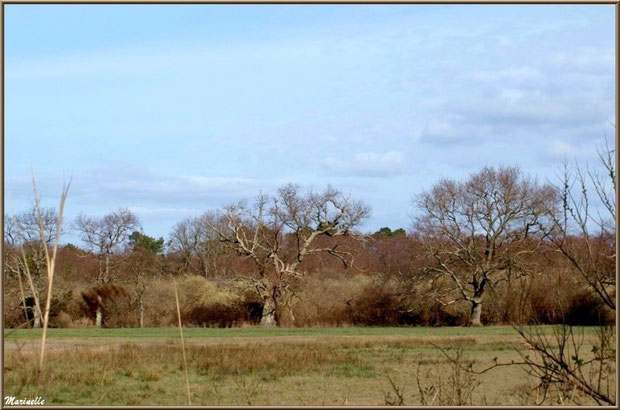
(376, 307)
(81, 323)
(456, 314)
(62, 320)
(327, 301)
(219, 315)
(196, 294)
(586, 309)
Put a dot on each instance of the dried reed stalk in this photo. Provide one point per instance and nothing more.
(50, 263)
(176, 295)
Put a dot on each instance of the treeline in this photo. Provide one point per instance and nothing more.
(496, 247)
(384, 288)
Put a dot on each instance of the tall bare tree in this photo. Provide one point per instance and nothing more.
(197, 243)
(480, 231)
(104, 237)
(278, 232)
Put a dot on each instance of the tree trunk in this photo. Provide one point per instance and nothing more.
(99, 313)
(269, 317)
(204, 266)
(290, 311)
(141, 313)
(476, 301)
(476, 310)
(99, 317)
(37, 318)
(106, 277)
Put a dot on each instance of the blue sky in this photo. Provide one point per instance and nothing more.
(172, 110)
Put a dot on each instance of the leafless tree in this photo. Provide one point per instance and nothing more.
(585, 233)
(142, 266)
(104, 236)
(278, 232)
(23, 234)
(480, 231)
(197, 243)
(24, 226)
(564, 361)
(586, 236)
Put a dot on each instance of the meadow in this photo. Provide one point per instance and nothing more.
(276, 366)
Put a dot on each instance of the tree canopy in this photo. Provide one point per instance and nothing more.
(149, 243)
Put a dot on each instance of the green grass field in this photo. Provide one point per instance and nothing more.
(155, 333)
(280, 366)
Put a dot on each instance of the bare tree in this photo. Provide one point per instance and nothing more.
(586, 236)
(24, 226)
(23, 234)
(197, 243)
(278, 232)
(105, 236)
(143, 263)
(480, 231)
(585, 233)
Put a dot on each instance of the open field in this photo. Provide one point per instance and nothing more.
(280, 366)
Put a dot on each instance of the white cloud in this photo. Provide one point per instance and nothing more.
(141, 189)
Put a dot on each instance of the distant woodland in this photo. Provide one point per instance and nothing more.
(494, 247)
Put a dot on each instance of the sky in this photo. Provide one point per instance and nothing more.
(174, 110)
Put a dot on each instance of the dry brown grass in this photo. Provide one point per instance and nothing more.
(267, 371)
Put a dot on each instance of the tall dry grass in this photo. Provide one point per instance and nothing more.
(176, 296)
(50, 261)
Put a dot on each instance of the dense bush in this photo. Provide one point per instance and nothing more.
(585, 308)
(375, 307)
(222, 315)
(326, 301)
(360, 300)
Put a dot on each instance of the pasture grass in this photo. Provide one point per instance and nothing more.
(202, 332)
(255, 366)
